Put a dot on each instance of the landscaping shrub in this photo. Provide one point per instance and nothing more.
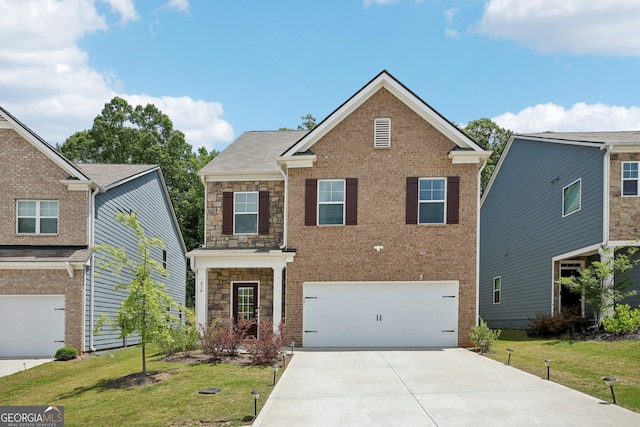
(182, 337)
(545, 325)
(483, 337)
(265, 349)
(623, 321)
(66, 353)
(223, 338)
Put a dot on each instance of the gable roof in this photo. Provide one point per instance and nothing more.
(385, 80)
(252, 155)
(7, 121)
(614, 141)
(112, 175)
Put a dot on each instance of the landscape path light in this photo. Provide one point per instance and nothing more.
(275, 371)
(256, 395)
(293, 344)
(610, 381)
(509, 350)
(548, 363)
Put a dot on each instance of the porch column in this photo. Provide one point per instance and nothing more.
(202, 297)
(606, 257)
(277, 297)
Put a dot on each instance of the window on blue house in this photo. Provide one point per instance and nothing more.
(571, 198)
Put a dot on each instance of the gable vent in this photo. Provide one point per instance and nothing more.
(382, 133)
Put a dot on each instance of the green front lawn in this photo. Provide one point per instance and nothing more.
(579, 365)
(86, 390)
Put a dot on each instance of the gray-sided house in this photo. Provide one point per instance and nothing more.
(52, 213)
(360, 232)
(551, 203)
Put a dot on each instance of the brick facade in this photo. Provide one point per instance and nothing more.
(624, 212)
(215, 238)
(26, 173)
(411, 252)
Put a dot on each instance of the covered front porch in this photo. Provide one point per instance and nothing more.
(240, 284)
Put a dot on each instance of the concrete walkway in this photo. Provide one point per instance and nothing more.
(451, 387)
(11, 366)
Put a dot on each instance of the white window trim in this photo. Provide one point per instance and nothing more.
(499, 291)
(235, 193)
(444, 201)
(37, 218)
(382, 138)
(623, 179)
(579, 198)
(343, 203)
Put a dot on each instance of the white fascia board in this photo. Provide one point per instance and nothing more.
(384, 80)
(460, 157)
(241, 258)
(41, 265)
(577, 252)
(298, 161)
(242, 176)
(75, 185)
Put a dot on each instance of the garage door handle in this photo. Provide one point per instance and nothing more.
(310, 297)
(448, 296)
(55, 309)
(58, 341)
(308, 332)
(448, 330)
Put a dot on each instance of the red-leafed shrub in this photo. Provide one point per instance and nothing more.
(265, 349)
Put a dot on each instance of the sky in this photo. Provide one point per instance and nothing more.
(221, 68)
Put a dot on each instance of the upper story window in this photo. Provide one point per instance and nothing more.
(331, 198)
(245, 212)
(497, 289)
(382, 132)
(431, 200)
(571, 197)
(630, 178)
(37, 216)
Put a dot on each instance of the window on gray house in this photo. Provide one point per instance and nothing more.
(571, 198)
(497, 289)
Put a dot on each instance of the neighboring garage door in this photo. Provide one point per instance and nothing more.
(380, 314)
(31, 325)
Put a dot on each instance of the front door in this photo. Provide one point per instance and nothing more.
(570, 301)
(245, 303)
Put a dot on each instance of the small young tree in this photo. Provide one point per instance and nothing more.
(596, 282)
(144, 310)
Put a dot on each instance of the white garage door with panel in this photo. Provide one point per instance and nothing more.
(32, 325)
(380, 314)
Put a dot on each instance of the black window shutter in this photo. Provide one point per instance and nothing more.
(227, 212)
(453, 200)
(263, 212)
(352, 202)
(310, 200)
(412, 200)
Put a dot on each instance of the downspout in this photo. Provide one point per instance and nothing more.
(286, 208)
(479, 185)
(92, 238)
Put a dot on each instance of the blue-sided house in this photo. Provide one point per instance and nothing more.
(551, 203)
(52, 212)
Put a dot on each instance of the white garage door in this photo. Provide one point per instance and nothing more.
(31, 325)
(380, 314)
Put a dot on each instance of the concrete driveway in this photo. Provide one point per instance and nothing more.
(450, 387)
(11, 366)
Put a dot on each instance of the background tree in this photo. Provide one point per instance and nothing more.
(596, 282)
(308, 123)
(122, 134)
(489, 136)
(145, 309)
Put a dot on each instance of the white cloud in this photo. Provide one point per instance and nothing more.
(46, 80)
(581, 117)
(179, 5)
(603, 27)
(125, 8)
(450, 15)
(368, 2)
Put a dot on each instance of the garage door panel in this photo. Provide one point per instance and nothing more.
(36, 325)
(380, 314)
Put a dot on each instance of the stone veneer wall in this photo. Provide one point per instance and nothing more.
(219, 304)
(624, 212)
(214, 236)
